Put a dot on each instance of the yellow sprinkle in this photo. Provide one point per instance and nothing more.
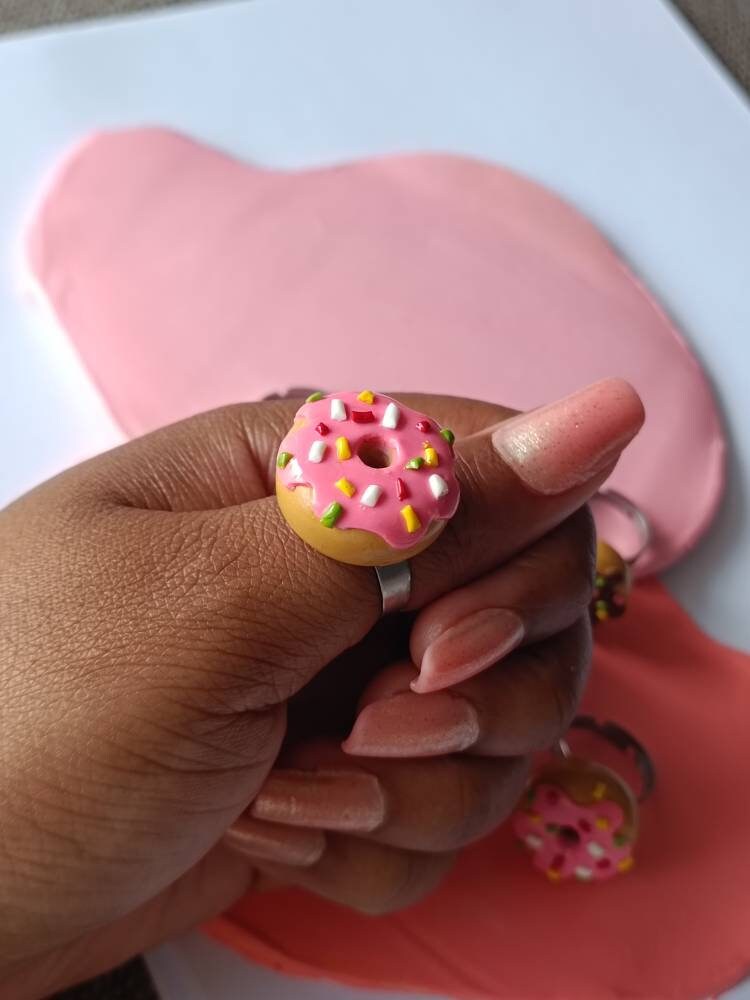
(343, 451)
(602, 823)
(626, 864)
(552, 875)
(431, 456)
(601, 615)
(535, 817)
(411, 520)
(600, 790)
(366, 396)
(346, 487)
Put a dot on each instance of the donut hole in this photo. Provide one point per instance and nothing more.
(375, 453)
(568, 836)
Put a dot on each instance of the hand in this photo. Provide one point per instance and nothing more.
(159, 620)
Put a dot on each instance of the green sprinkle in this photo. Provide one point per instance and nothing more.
(284, 459)
(449, 436)
(331, 514)
(314, 397)
(620, 839)
(599, 581)
(600, 605)
(415, 463)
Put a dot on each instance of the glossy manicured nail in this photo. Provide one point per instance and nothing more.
(567, 443)
(284, 845)
(468, 647)
(414, 725)
(346, 800)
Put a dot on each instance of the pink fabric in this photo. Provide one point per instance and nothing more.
(676, 926)
(187, 280)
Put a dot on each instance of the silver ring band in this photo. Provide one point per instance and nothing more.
(395, 586)
(636, 516)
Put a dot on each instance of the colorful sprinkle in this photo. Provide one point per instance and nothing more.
(431, 456)
(346, 487)
(371, 496)
(552, 875)
(391, 417)
(415, 463)
(626, 864)
(343, 451)
(295, 469)
(595, 850)
(366, 396)
(314, 397)
(331, 514)
(322, 429)
(600, 790)
(602, 823)
(584, 874)
(401, 489)
(438, 486)
(620, 839)
(284, 458)
(533, 842)
(363, 416)
(411, 520)
(448, 435)
(317, 451)
(424, 426)
(338, 409)
(534, 816)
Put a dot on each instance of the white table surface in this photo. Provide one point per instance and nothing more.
(614, 105)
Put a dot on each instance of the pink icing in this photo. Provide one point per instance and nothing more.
(565, 838)
(403, 443)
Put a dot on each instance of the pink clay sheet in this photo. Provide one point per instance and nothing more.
(187, 279)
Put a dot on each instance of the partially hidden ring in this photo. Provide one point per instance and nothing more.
(395, 586)
(579, 818)
(614, 571)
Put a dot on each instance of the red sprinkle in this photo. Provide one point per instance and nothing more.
(322, 429)
(401, 490)
(363, 416)
(424, 426)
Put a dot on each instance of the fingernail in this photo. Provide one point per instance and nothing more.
(346, 800)
(284, 845)
(567, 443)
(411, 725)
(467, 647)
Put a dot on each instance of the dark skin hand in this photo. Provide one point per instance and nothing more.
(168, 653)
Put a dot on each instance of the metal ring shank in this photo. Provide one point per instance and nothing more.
(635, 514)
(624, 741)
(395, 586)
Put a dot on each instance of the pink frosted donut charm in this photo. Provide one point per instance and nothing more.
(364, 479)
(579, 820)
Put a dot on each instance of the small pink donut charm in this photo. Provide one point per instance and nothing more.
(579, 820)
(365, 479)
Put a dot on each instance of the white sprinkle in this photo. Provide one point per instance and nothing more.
(317, 451)
(438, 485)
(295, 469)
(338, 410)
(391, 417)
(533, 841)
(595, 850)
(583, 873)
(370, 496)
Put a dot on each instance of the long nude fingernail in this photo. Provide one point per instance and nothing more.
(412, 725)
(284, 845)
(346, 800)
(567, 443)
(468, 647)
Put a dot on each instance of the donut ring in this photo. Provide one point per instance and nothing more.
(579, 820)
(364, 479)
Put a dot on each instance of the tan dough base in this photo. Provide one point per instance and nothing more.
(350, 545)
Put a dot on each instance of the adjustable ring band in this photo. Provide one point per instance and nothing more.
(395, 586)
(622, 740)
(635, 515)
